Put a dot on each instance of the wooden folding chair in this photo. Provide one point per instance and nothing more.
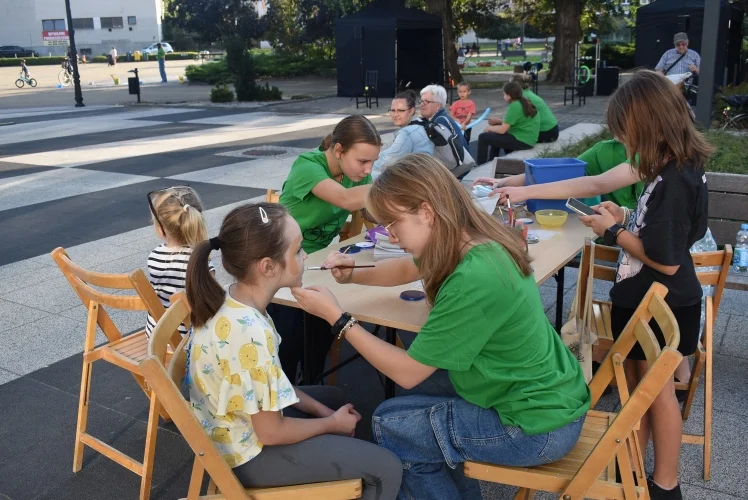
(607, 439)
(165, 385)
(125, 352)
(350, 229)
(703, 356)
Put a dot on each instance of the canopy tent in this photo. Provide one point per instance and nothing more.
(403, 45)
(657, 22)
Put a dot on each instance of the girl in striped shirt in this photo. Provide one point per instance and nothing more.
(178, 220)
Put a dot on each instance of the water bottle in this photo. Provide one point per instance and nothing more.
(740, 257)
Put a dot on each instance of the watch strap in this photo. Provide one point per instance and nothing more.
(340, 324)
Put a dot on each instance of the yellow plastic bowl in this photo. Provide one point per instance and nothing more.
(551, 218)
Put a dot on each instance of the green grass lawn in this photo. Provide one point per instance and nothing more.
(731, 155)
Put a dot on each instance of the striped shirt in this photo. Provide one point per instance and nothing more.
(669, 57)
(167, 271)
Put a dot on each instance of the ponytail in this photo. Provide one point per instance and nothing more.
(326, 143)
(528, 108)
(514, 90)
(204, 294)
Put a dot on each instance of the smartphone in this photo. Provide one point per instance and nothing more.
(579, 207)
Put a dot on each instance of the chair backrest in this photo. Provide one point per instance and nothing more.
(723, 260)
(662, 365)
(181, 414)
(605, 271)
(83, 282)
(371, 77)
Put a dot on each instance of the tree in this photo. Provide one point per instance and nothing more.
(217, 20)
(568, 34)
(443, 9)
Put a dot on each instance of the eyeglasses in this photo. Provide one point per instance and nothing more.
(425, 101)
(177, 191)
(681, 44)
(399, 111)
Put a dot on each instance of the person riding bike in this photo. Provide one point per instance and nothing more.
(24, 69)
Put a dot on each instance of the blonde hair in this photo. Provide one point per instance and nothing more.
(179, 210)
(418, 178)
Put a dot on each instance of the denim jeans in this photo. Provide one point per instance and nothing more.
(162, 69)
(433, 434)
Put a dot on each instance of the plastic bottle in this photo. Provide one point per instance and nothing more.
(740, 255)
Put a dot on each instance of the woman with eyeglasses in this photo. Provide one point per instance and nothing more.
(410, 138)
(515, 394)
(322, 189)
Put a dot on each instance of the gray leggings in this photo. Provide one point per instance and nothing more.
(325, 458)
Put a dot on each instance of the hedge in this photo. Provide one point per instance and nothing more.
(614, 54)
(57, 60)
(265, 65)
(211, 73)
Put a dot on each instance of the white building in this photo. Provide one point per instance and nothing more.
(99, 25)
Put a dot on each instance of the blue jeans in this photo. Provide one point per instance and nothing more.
(162, 69)
(433, 434)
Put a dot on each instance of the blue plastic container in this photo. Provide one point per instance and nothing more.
(544, 170)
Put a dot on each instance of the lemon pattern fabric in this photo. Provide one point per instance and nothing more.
(233, 373)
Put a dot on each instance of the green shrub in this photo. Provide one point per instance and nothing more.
(180, 56)
(221, 93)
(210, 73)
(614, 54)
(719, 104)
(31, 61)
(286, 65)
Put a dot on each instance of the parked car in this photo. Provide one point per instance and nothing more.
(153, 49)
(17, 51)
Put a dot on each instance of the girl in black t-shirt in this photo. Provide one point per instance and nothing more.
(649, 116)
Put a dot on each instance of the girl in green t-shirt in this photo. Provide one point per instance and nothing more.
(548, 122)
(322, 189)
(516, 395)
(519, 129)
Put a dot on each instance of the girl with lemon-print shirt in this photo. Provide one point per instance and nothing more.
(238, 389)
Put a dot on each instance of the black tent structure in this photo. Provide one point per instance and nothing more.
(403, 45)
(657, 22)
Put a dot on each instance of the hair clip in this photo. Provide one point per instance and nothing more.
(264, 216)
(185, 207)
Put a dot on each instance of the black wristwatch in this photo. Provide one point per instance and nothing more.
(611, 234)
(340, 323)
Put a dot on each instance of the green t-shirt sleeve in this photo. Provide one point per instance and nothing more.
(454, 334)
(306, 175)
(513, 113)
(590, 157)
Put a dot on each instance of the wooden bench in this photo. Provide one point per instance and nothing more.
(728, 209)
(513, 53)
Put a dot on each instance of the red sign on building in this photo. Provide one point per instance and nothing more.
(51, 38)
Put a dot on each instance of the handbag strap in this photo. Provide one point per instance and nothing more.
(676, 62)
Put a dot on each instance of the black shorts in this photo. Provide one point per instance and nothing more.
(689, 323)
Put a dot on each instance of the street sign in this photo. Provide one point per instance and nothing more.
(55, 38)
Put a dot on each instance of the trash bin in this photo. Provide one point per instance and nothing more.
(543, 170)
(129, 57)
(145, 56)
(137, 55)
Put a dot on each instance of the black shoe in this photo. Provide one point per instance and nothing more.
(658, 493)
(595, 367)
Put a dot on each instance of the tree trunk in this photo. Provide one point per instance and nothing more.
(443, 9)
(568, 34)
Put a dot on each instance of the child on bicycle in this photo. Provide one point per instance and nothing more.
(24, 69)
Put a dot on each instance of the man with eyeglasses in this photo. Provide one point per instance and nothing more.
(432, 102)
(679, 60)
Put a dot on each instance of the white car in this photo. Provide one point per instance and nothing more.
(153, 49)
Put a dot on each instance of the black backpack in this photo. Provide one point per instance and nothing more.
(448, 145)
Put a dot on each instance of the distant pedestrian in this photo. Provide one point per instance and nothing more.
(113, 57)
(161, 62)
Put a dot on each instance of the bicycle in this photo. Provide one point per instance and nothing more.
(66, 75)
(25, 80)
(735, 115)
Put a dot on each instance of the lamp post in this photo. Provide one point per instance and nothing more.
(74, 59)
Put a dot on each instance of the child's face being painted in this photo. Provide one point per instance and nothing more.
(294, 257)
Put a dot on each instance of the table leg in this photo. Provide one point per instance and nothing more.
(390, 334)
(308, 351)
(559, 299)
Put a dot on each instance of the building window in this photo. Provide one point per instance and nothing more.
(131, 20)
(83, 23)
(86, 52)
(111, 22)
(53, 25)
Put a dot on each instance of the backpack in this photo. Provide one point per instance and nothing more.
(448, 147)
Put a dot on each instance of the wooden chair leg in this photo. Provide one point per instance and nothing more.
(82, 415)
(693, 383)
(196, 480)
(332, 379)
(524, 494)
(212, 488)
(150, 448)
(708, 411)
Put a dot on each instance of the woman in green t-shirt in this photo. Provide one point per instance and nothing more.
(548, 122)
(322, 189)
(516, 395)
(518, 130)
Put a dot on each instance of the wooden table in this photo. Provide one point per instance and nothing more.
(383, 305)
